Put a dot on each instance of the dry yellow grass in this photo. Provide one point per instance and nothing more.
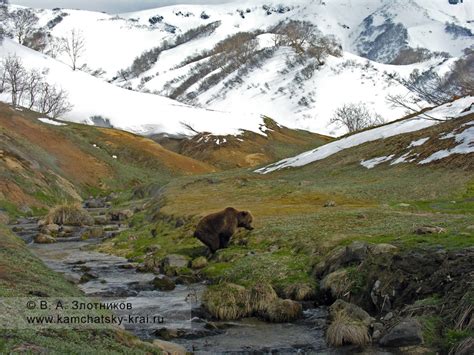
(280, 311)
(227, 301)
(344, 330)
(69, 214)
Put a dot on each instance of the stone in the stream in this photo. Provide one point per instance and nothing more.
(94, 232)
(44, 239)
(169, 333)
(163, 283)
(406, 333)
(169, 348)
(100, 220)
(50, 229)
(172, 263)
(88, 276)
(119, 216)
(94, 203)
(199, 263)
(17, 229)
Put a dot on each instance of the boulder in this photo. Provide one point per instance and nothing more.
(175, 261)
(50, 229)
(122, 215)
(383, 248)
(169, 348)
(406, 333)
(199, 263)
(94, 203)
(101, 220)
(87, 276)
(44, 239)
(163, 283)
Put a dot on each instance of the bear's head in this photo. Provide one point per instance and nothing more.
(245, 220)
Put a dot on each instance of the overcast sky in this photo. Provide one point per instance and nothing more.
(112, 6)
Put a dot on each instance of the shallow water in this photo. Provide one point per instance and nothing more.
(117, 282)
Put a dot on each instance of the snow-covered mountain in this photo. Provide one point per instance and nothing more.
(373, 34)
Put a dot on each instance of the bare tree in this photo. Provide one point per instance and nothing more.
(13, 78)
(306, 39)
(55, 47)
(74, 46)
(3, 17)
(355, 117)
(53, 101)
(24, 23)
(33, 82)
(429, 87)
(29, 89)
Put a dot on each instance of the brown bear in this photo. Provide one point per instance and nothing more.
(216, 229)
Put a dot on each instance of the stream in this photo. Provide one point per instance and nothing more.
(114, 279)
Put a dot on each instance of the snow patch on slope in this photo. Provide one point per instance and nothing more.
(416, 123)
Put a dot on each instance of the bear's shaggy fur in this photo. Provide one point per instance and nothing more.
(216, 229)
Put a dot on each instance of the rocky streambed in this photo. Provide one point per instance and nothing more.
(381, 299)
(115, 279)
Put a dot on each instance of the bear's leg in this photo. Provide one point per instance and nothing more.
(224, 239)
(210, 240)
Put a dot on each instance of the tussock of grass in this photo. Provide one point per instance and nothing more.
(283, 311)
(261, 296)
(344, 330)
(299, 291)
(69, 214)
(227, 301)
(338, 283)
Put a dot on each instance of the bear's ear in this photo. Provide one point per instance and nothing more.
(244, 213)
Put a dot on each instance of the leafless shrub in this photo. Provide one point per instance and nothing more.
(24, 23)
(74, 46)
(434, 89)
(29, 89)
(3, 17)
(355, 117)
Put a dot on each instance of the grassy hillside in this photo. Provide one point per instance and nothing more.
(42, 164)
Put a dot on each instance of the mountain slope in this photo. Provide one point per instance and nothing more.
(459, 108)
(129, 110)
(43, 163)
(295, 93)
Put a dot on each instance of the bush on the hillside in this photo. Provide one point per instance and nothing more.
(147, 59)
(306, 40)
(355, 117)
(28, 88)
(69, 214)
(3, 17)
